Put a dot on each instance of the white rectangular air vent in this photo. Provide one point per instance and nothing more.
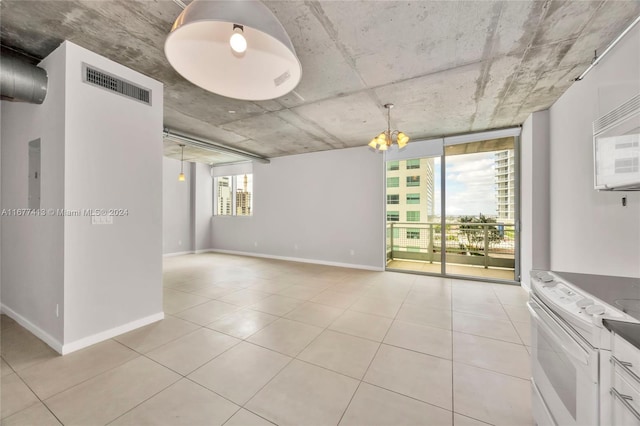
(99, 78)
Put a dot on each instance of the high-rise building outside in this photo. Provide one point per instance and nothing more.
(243, 199)
(505, 173)
(411, 190)
(224, 196)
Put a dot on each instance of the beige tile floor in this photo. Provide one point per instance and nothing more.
(251, 341)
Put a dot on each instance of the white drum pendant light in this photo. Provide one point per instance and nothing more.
(234, 48)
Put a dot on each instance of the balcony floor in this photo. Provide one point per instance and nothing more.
(453, 269)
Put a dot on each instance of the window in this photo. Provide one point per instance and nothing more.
(393, 199)
(413, 180)
(225, 195)
(393, 216)
(413, 249)
(234, 195)
(413, 198)
(244, 193)
(413, 164)
(413, 233)
(393, 165)
(393, 182)
(412, 216)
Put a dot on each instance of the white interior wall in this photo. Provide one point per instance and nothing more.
(325, 207)
(590, 231)
(176, 207)
(32, 246)
(113, 158)
(534, 195)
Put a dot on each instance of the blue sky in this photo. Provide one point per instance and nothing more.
(470, 180)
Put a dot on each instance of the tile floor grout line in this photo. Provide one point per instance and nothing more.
(490, 338)
(300, 360)
(473, 418)
(408, 396)
(252, 412)
(493, 371)
(150, 397)
(40, 400)
(138, 354)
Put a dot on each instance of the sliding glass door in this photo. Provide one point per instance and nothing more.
(480, 202)
(452, 208)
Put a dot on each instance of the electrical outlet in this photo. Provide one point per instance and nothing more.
(57, 310)
(352, 252)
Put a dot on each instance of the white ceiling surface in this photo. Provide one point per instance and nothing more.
(449, 67)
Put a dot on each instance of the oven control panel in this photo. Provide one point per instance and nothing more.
(561, 295)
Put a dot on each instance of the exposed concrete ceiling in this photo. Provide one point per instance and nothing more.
(448, 66)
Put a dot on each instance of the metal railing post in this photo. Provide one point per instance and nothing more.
(430, 245)
(486, 246)
(391, 239)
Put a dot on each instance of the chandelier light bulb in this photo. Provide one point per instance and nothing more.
(237, 41)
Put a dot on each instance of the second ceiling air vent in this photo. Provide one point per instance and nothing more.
(115, 84)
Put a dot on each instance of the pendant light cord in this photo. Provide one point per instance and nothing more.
(182, 160)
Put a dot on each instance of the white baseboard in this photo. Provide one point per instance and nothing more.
(203, 251)
(55, 344)
(298, 259)
(178, 253)
(108, 334)
(64, 349)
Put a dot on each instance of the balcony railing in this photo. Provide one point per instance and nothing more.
(479, 244)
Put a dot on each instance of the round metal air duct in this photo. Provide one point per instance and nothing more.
(21, 81)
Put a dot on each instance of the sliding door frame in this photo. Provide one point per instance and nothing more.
(421, 149)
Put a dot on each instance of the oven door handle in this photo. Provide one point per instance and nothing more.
(574, 351)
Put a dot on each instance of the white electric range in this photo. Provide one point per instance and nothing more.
(568, 338)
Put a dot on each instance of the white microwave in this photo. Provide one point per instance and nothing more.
(616, 148)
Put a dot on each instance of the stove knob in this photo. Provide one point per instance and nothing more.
(584, 302)
(595, 310)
